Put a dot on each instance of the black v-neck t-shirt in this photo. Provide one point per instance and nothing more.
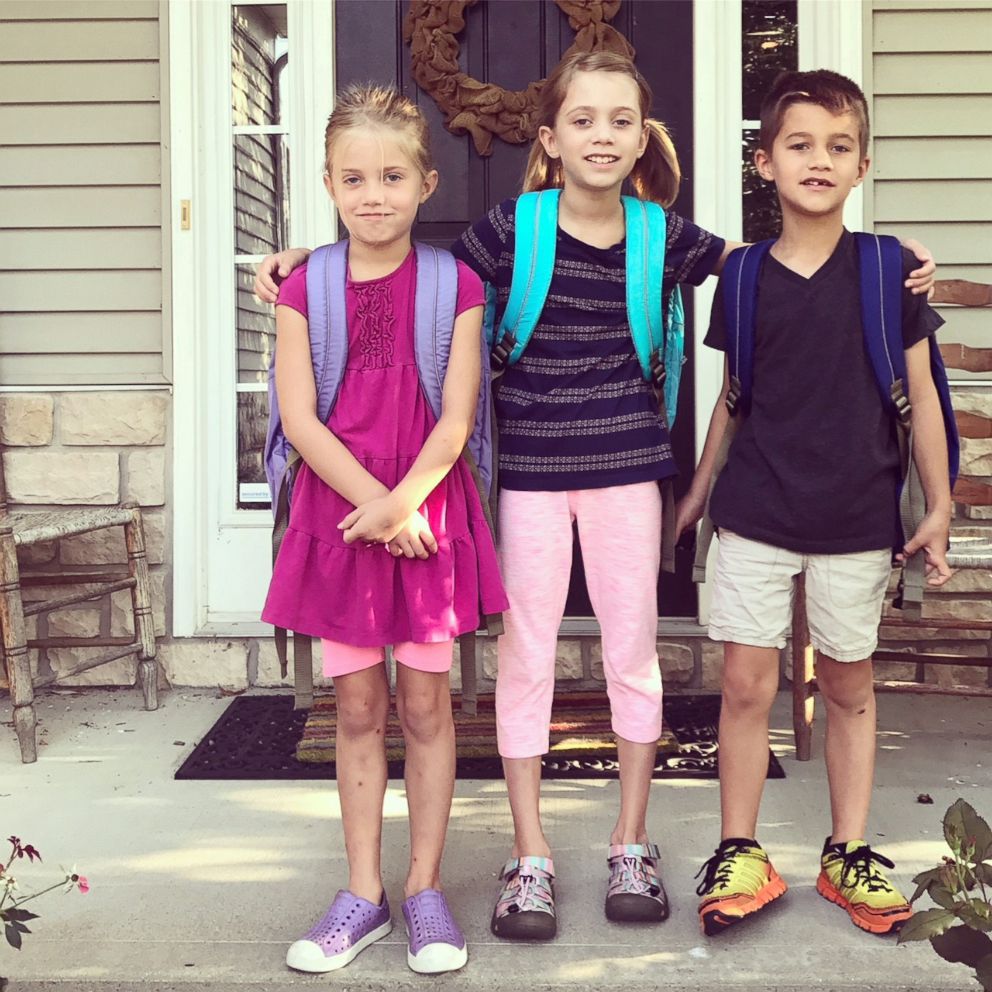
(814, 468)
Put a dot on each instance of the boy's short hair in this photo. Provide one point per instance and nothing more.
(826, 89)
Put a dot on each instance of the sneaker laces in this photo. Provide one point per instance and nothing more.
(634, 877)
(862, 862)
(719, 866)
(525, 889)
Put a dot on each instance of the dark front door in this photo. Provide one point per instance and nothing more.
(513, 43)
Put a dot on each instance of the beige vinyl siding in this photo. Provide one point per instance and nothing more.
(929, 80)
(81, 193)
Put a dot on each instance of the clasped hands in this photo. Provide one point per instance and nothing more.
(385, 521)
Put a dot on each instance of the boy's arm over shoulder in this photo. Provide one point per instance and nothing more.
(919, 319)
(691, 253)
(482, 245)
(274, 268)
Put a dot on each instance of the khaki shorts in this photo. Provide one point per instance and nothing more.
(753, 592)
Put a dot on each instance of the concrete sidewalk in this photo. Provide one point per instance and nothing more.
(202, 885)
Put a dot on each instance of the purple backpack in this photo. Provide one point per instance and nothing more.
(434, 322)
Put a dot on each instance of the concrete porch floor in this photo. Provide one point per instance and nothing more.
(202, 885)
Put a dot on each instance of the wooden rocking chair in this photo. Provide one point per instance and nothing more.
(21, 530)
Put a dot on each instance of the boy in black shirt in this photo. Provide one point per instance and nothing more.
(809, 486)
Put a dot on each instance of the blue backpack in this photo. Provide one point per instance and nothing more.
(881, 278)
(434, 321)
(658, 331)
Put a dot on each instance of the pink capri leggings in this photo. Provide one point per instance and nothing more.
(344, 659)
(620, 535)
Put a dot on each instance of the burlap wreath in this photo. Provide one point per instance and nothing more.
(431, 28)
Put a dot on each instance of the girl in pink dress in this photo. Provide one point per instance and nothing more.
(387, 541)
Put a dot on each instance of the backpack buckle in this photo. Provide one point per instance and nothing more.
(733, 395)
(658, 371)
(501, 352)
(900, 401)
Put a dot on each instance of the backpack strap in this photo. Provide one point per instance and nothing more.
(645, 226)
(939, 375)
(327, 277)
(740, 305)
(658, 352)
(739, 285)
(434, 322)
(434, 319)
(327, 272)
(674, 353)
(880, 269)
(880, 265)
(535, 241)
(881, 272)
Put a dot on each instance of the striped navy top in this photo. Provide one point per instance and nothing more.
(575, 412)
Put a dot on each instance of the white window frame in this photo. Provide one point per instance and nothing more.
(830, 36)
(205, 518)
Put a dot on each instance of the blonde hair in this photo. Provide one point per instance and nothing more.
(381, 108)
(657, 174)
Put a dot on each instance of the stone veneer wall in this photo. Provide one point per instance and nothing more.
(86, 448)
(101, 447)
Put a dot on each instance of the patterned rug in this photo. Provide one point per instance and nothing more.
(580, 728)
(258, 737)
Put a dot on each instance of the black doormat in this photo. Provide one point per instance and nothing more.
(256, 739)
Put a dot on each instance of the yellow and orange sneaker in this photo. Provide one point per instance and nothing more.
(850, 876)
(739, 880)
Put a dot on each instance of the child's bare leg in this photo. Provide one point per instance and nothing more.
(750, 681)
(363, 706)
(637, 763)
(523, 786)
(849, 697)
(423, 702)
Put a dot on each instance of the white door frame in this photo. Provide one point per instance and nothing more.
(220, 554)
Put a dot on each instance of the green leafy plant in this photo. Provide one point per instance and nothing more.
(958, 930)
(14, 918)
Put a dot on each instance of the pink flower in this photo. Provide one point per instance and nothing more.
(83, 883)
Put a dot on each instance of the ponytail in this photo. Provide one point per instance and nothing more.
(543, 171)
(657, 174)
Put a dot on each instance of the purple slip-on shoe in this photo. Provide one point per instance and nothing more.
(342, 933)
(436, 943)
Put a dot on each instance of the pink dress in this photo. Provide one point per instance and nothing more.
(361, 595)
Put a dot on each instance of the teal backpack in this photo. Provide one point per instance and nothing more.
(658, 330)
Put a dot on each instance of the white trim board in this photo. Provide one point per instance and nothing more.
(214, 544)
(831, 37)
(717, 205)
